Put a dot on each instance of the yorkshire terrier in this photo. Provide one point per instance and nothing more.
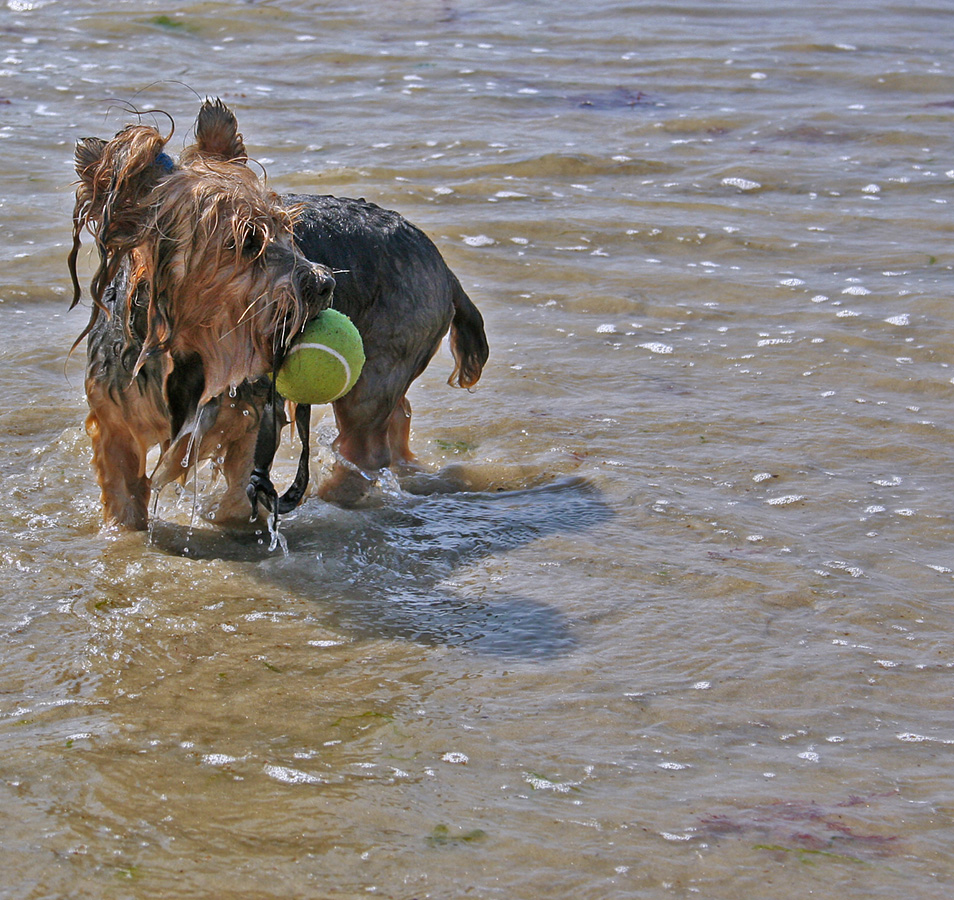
(204, 277)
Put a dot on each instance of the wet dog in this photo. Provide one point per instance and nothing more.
(204, 277)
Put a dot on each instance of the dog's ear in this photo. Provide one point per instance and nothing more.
(89, 151)
(217, 134)
(116, 176)
(115, 180)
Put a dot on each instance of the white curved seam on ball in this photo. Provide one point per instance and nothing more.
(334, 353)
(327, 349)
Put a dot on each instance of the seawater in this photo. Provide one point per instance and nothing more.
(686, 632)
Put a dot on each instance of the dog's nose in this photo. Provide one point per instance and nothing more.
(326, 283)
(315, 285)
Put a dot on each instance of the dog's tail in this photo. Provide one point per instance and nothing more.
(468, 340)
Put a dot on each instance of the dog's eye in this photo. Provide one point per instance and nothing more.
(253, 244)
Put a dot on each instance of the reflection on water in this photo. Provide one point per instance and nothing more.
(390, 572)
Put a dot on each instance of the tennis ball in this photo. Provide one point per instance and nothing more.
(323, 361)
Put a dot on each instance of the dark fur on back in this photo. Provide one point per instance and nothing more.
(374, 251)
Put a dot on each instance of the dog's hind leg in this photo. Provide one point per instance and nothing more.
(363, 447)
(399, 435)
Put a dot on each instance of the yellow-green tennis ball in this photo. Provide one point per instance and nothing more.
(323, 362)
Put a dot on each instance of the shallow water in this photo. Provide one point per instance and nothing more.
(686, 633)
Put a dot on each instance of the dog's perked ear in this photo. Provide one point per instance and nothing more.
(217, 134)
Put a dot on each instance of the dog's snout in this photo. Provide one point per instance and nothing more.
(315, 285)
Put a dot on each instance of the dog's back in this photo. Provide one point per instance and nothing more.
(393, 283)
(390, 278)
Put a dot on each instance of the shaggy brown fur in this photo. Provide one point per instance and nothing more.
(199, 288)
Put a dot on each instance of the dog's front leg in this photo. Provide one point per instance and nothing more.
(260, 488)
(120, 463)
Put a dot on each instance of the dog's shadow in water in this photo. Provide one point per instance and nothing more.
(407, 569)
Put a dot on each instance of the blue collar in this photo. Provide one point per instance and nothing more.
(164, 161)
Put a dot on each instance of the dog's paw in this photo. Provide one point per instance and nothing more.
(347, 485)
(261, 491)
